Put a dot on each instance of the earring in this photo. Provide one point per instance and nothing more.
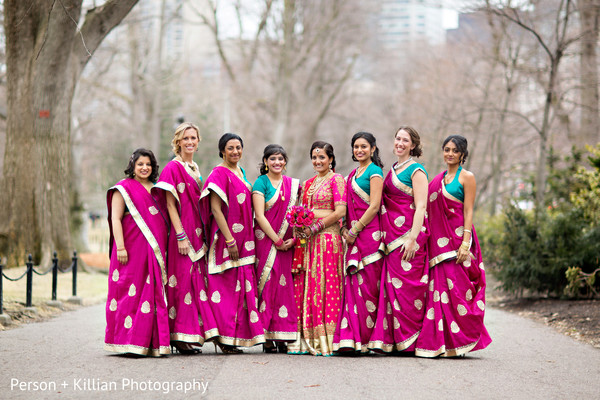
(330, 166)
(267, 168)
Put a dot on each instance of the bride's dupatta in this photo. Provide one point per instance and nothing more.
(366, 248)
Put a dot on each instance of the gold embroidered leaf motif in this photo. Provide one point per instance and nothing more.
(359, 292)
(148, 280)
(253, 317)
(376, 235)
(282, 280)
(418, 304)
(424, 278)
(283, 312)
(407, 266)
(440, 326)
(249, 245)
(396, 323)
(131, 290)
(460, 231)
(344, 323)
(389, 308)
(172, 281)
(203, 296)
(248, 286)
(383, 209)
(454, 327)
(442, 242)
(370, 323)
(399, 221)
(397, 283)
(370, 306)
(172, 313)
(237, 228)
(241, 198)
(467, 262)
(128, 322)
(413, 207)
(389, 280)
(433, 196)
(260, 235)
(481, 305)
(431, 285)
(238, 286)
(115, 275)
(113, 305)
(385, 324)
(145, 307)
(462, 310)
(397, 305)
(216, 297)
(482, 266)
(263, 306)
(450, 283)
(469, 295)
(198, 232)
(355, 309)
(444, 298)
(188, 298)
(354, 250)
(181, 187)
(430, 314)
(436, 296)
(153, 210)
(359, 278)
(225, 253)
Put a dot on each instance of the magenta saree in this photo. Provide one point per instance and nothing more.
(274, 268)
(231, 285)
(136, 310)
(318, 283)
(456, 297)
(190, 319)
(403, 283)
(363, 260)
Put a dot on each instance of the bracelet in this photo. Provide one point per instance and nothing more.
(181, 236)
(120, 249)
(230, 241)
(467, 230)
(362, 223)
(279, 243)
(352, 234)
(316, 227)
(230, 244)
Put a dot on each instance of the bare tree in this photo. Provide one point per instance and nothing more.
(47, 49)
(589, 14)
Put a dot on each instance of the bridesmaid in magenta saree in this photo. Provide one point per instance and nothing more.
(180, 183)
(136, 310)
(273, 193)
(319, 269)
(363, 257)
(456, 298)
(404, 223)
(231, 279)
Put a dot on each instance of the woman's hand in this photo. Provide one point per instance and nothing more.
(122, 256)
(462, 254)
(183, 246)
(349, 238)
(233, 252)
(409, 248)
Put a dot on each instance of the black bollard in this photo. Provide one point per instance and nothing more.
(54, 276)
(29, 280)
(74, 259)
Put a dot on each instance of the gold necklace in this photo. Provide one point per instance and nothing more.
(317, 183)
(360, 170)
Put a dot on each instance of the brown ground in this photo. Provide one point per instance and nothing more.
(579, 319)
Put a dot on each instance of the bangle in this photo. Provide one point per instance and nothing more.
(352, 234)
(362, 223)
(181, 236)
(230, 244)
(467, 230)
(120, 248)
(279, 243)
(230, 241)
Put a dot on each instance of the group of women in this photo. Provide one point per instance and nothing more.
(386, 264)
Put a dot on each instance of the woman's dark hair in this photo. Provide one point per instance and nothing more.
(226, 138)
(461, 146)
(133, 159)
(270, 150)
(319, 144)
(372, 142)
(414, 137)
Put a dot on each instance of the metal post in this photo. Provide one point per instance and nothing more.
(1, 295)
(54, 276)
(29, 280)
(74, 259)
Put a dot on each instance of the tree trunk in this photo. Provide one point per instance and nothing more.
(590, 124)
(45, 55)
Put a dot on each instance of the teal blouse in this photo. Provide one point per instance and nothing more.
(364, 181)
(406, 175)
(263, 185)
(455, 188)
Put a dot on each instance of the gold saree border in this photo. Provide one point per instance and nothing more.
(442, 352)
(140, 350)
(388, 347)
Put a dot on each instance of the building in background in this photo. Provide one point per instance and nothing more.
(405, 23)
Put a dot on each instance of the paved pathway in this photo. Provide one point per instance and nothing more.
(63, 358)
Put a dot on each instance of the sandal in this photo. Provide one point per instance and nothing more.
(184, 348)
(227, 349)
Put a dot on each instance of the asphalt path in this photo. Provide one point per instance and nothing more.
(63, 358)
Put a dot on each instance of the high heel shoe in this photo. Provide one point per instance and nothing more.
(227, 349)
(185, 351)
(282, 347)
(269, 347)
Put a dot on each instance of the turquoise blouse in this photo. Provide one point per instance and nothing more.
(364, 181)
(455, 188)
(406, 175)
(263, 185)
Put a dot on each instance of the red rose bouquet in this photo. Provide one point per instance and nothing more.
(299, 217)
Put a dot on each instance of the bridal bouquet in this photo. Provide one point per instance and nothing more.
(299, 217)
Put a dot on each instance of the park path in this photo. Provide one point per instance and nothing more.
(63, 358)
